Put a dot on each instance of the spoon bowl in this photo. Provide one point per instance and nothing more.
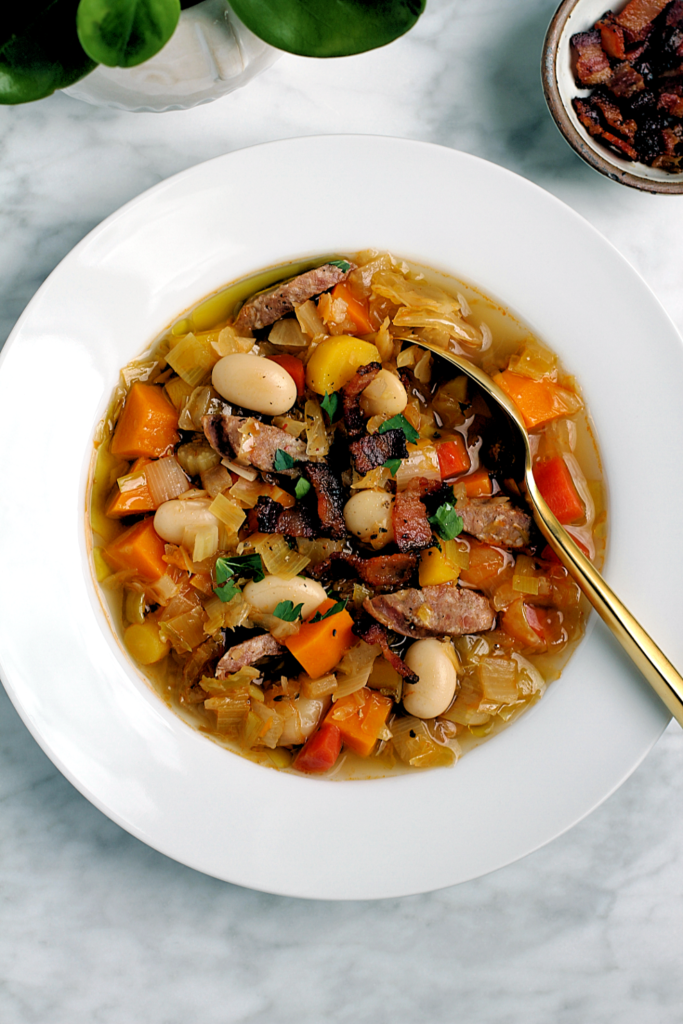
(640, 647)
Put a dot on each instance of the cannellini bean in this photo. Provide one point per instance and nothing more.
(254, 383)
(437, 679)
(173, 517)
(367, 515)
(268, 592)
(385, 395)
(300, 715)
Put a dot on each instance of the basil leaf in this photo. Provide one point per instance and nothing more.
(446, 521)
(287, 611)
(330, 404)
(328, 28)
(282, 461)
(400, 423)
(392, 465)
(123, 33)
(40, 51)
(334, 610)
(302, 488)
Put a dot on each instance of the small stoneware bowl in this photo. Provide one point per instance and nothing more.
(560, 88)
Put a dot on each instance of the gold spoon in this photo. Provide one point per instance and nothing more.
(640, 647)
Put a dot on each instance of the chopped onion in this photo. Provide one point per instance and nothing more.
(288, 333)
(246, 492)
(193, 358)
(184, 632)
(289, 425)
(131, 481)
(278, 557)
(231, 710)
(415, 744)
(165, 479)
(247, 472)
(498, 680)
(229, 341)
(422, 461)
(354, 669)
(229, 512)
(203, 541)
(376, 479)
(215, 480)
(202, 402)
(309, 319)
(314, 689)
(317, 442)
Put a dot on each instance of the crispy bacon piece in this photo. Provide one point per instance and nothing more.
(626, 81)
(611, 36)
(432, 611)
(351, 392)
(637, 17)
(299, 521)
(412, 531)
(256, 446)
(495, 521)
(589, 117)
(269, 306)
(330, 494)
(373, 450)
(383, 572)
(372, 632)
(592, 63)
(247, 653)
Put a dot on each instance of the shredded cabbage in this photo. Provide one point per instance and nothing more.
(278, 557)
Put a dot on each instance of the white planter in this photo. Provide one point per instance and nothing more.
(211, 53)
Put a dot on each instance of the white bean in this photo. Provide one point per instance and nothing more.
(301, 715)
(254, 383)
(367, 515)
(268, 592)
(437, 679)
(385, 395)
(173, 517)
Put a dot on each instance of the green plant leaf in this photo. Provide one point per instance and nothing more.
(282, 461)
(123, 33)
(328, 28)
(447, 523)
(287, 611)
(40, 51)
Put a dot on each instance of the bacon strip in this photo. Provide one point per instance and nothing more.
(373, 450)
(369, 630)
(351, 392)
(383, 572)
(299, 521)
(412, 531)
(330, 494)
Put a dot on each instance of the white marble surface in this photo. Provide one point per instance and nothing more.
(96, 927)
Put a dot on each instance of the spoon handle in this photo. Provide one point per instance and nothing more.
(639, 645)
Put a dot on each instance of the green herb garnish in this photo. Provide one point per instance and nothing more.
(446, 521)
(343, 265)
(330, 404)
(287, 611)
(392, 465)
(400, 423)
(227, 570)
(302, 488)
(282, 461)
(334, 610)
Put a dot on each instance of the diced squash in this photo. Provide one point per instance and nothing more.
(539, 401)
(356, 311)
(335, 361)
(147, 426)
(486, 565)
(140, 548)
(134, 499)
(319, 646)
(436, 568)
(361, 717)
(477, 484)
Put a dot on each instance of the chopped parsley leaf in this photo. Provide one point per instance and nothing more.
(446, 521)
(334, 610)
(227, 570)
(287, 611)
(282, 461)
(330, 404)
(392, 465)
(343, 265)
(400, 423)
(302, 488)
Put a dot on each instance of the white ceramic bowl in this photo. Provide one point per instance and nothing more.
(560, 89)
(78, 693)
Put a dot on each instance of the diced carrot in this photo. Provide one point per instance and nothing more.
(453, 457)
(557, 486)
(137, 499)
(539, 401)
(478, 484)
(360, 717)
(356, 311)
(486, 565)
(321, 751)
(139, 548)
(318, 646)
(147, 426)
(295, 369)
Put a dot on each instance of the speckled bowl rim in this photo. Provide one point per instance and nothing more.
(581, 142)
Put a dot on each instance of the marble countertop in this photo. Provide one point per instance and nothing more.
(97, 927)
